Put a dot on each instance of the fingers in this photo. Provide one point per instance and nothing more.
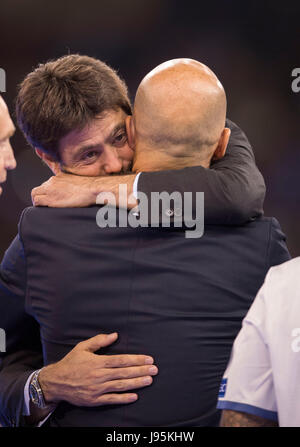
(97, 342)
(109, 374)
(124, 360)
(39, 189)
(114, 399)
(40, 200)
(42, 189)
(112, 361)
(50, 201)
(36, 191)
(37, 196)
(126, 385)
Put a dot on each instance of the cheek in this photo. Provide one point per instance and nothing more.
(126, 153)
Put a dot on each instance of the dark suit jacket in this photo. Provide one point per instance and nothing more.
(234, 193)
(180, 300)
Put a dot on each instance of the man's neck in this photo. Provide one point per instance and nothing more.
(154, 161)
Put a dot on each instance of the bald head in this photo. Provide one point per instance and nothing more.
(180, 108)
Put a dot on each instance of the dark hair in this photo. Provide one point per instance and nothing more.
(66, 94)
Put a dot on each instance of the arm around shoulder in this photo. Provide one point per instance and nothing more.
(233, 187)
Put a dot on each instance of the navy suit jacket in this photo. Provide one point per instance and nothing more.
(180, 300)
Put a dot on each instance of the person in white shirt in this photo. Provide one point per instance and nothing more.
(260, 386)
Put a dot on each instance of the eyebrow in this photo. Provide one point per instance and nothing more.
(90, 147)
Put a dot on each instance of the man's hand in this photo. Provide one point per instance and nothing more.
(65, 191)
(86, 379)
(73, 191)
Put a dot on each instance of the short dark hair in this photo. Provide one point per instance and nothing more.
(66, 94)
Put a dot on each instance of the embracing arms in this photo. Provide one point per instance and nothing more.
(233, 187)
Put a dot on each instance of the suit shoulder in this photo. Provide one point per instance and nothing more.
(31, 215)
(24, 215)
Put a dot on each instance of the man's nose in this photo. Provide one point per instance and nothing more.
(112, 162)
(9, 160)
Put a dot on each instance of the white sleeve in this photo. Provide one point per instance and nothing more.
(26, 407)
(247, 384)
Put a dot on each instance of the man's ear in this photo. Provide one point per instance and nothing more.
(50, 161)
(222, 144)
(130, 130)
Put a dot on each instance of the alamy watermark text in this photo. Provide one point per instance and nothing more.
(162, 210)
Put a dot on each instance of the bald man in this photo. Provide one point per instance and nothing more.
(181, 301)
(179, 118)
(7, 129)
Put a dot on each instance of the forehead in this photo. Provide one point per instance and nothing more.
(6, 124)
(96, 132)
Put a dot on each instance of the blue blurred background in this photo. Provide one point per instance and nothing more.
(252, 46)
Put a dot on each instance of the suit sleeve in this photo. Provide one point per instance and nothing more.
(23, 352)
(234, 189)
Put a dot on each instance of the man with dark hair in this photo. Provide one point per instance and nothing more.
(64, 95)
(68, 257)
(7, 129)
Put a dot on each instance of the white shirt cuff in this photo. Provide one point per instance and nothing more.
(135, 185)
(26, 406)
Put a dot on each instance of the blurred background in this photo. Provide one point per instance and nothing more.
(252, 46)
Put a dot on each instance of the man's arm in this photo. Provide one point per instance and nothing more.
(81, 377)
(23, 353)
(234, 189)
(231, 418)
